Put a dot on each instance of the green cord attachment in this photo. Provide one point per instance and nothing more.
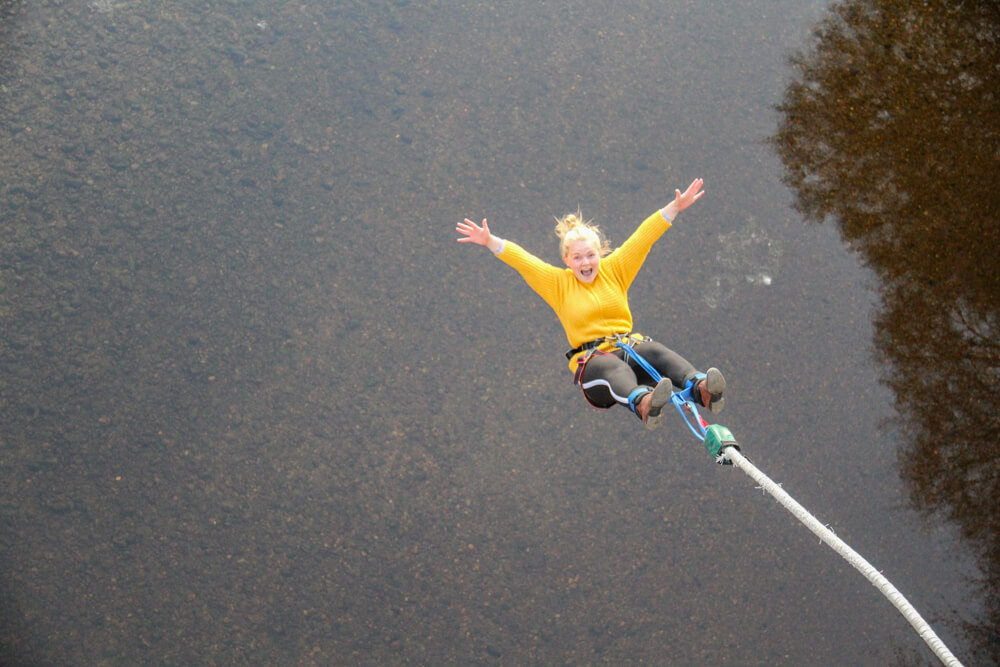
(717, 438)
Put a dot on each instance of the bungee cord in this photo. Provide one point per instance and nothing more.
(732, 453)
(722, 446)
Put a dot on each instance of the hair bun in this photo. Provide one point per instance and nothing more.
(572, 226)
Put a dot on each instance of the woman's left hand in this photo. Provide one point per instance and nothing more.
(689, 196)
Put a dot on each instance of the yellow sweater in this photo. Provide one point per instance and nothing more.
(590, 311)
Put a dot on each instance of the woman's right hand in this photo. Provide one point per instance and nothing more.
(473, 232)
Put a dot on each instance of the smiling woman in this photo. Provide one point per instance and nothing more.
(590, 298)
(581, 245)
(583, 260)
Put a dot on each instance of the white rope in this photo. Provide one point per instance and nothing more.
(850, 555)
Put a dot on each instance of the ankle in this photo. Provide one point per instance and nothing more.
(639, 402)
(643, 405)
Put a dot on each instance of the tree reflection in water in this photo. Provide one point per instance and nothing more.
(891, 129)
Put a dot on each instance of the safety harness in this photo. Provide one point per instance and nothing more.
(626, 343)
(623, 341)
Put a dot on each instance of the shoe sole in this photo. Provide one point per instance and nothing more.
(715, 383)
(661, 396)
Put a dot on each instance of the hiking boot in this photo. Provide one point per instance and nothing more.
(651, 404)
(710, 389)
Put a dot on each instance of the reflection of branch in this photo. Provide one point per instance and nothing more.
(983, 340)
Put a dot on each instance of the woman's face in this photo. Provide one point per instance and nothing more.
(583, 259)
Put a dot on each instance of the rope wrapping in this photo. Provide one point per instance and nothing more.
(850, 555)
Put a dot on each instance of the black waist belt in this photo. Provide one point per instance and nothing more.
(589, 345)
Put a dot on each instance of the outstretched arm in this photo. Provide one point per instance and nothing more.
(682, 199)
(479, 235)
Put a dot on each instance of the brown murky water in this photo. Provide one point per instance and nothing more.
(258, 406)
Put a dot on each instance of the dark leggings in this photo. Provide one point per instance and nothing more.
(609, 379)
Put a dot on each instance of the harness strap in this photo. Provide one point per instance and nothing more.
(635, 356)
(589, 345)
(637, 393)
(581, 366)
(628, 339)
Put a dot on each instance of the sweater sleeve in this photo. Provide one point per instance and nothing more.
(541, 276)
(626, 261)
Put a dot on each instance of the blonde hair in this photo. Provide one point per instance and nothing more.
(572, 227)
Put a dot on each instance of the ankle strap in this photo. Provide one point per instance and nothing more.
(637, 393)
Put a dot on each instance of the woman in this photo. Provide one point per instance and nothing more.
(590, 298)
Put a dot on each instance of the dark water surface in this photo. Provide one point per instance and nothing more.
(258, 407)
